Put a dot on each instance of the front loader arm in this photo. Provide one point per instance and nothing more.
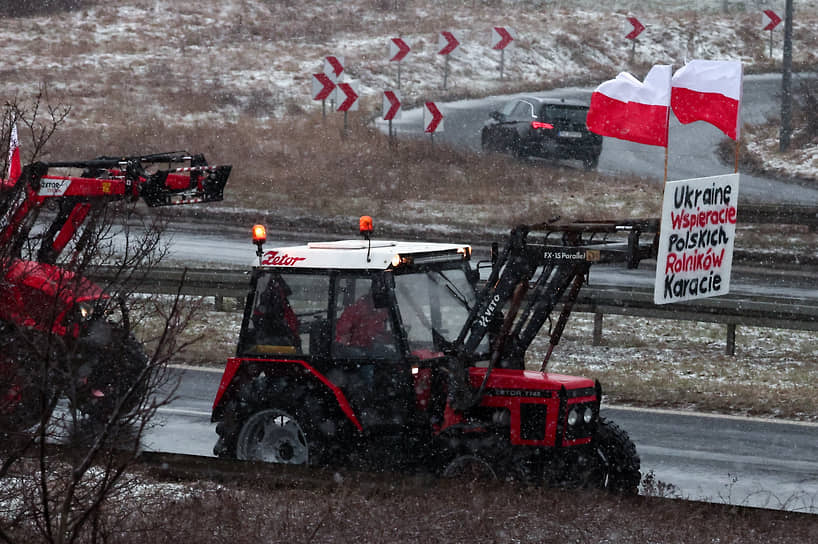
(188, 179)
(558, 263)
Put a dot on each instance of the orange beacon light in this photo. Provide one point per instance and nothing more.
(259, 237)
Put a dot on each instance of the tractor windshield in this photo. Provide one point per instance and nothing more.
(436, 300)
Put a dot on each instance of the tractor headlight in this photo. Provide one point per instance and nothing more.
(86, 310)
(573, 417)
(588, 414)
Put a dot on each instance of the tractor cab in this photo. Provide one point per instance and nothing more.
(365, 318)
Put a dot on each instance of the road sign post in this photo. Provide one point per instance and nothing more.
(501, 37)
(398, 49)
(348, 99)
(447, 43)
(432, 120)
(322, 87)
(638, 27)
(333, 67)
(774, 19)
(391, 109)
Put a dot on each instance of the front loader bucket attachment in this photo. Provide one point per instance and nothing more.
(189, 185)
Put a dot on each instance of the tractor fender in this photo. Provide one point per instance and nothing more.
(240, 370)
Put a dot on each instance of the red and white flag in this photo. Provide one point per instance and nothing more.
(15, 167)
(628, 109)
(710, 91)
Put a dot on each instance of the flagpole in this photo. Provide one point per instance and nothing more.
(735, 170)
(666, 154)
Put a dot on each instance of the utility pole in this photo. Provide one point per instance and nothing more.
(786, 82)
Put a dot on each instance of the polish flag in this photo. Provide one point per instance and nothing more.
(15, 166)
(710, 91)
(628, 109)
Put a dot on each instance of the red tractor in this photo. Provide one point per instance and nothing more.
(49, 312)
(397, 355)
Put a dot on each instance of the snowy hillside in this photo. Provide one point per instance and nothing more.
(175, 62)
(256, 57)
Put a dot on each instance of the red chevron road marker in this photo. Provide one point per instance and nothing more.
(391, 105)
(398, 49)
(333, 66)
(436, 121)
(350, 102)
(500, 37)
(637, 28)
(322, 86)
(447, 43)
(774, 19)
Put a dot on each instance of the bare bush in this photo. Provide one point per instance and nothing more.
(77, 389)
(402, 511)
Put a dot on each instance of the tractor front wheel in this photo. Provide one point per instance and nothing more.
(469, 467)
(616, 463)
(113, 377)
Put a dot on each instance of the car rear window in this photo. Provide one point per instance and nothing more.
(571, 114)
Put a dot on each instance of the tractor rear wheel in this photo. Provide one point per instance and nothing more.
(616, 463)
(270, 421)
(273, 436)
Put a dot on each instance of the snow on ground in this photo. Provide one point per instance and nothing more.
(254, 57)
(798, 162)
(175, 62)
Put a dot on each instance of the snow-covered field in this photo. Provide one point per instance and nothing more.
(172, 62)
(187, 61)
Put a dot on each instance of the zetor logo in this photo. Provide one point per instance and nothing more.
(272, 258)
(53, 187)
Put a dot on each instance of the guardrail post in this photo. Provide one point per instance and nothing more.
(731, 339)
(597, 340)
(218, 303)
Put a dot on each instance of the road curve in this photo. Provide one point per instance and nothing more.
(691, 148)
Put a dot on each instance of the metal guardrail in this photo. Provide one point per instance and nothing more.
(731, 309)
(776, 213)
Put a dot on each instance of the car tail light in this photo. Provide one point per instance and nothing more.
(540, 124)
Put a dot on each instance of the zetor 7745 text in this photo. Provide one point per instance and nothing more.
(396, 355)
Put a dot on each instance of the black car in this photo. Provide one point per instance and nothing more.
(550, 128)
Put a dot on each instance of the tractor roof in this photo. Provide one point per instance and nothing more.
(361, 255)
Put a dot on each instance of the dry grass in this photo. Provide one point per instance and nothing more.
(405, 510)
(679, 364)
(308, 166)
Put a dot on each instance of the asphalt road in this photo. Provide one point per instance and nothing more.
(691, 148)
(714, 458)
